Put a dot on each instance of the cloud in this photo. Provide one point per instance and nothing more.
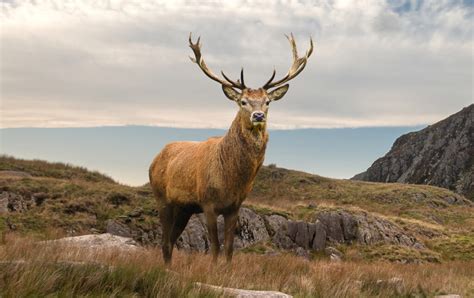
(92, 63)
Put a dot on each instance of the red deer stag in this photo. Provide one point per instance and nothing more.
(216, 175)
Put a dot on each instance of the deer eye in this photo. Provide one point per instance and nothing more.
(243, 102)
(267, 103)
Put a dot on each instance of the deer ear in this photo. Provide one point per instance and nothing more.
(231, 93)
(278, 92)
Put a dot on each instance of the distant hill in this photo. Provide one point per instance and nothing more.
(442, 154)
(287, 211)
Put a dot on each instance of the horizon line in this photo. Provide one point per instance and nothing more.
(296, 127)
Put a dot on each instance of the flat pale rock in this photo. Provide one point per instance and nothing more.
(239, 293)
(100, 240)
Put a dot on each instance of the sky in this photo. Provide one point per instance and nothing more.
(112, 63)
(125, 152)
(105, 84)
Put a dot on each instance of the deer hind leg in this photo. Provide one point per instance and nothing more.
(211, 219)
(230, 222)
(167, 220)
(181, 220)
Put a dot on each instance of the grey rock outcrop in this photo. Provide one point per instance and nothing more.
(344, 227)
(250, 229)
(300, 237)
(195, 237)
(118, 229)
(442, 154)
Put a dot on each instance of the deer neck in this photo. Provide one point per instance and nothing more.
(242, 149)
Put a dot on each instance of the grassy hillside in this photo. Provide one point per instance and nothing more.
(66, 200)
(53, 200)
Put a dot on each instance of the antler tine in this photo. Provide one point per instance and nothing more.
(298, 64)
(196, 47)
(242, 77)
(270, 80)
(237, 84)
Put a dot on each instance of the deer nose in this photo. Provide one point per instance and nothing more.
(258, 116)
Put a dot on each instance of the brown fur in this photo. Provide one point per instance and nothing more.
(213, 176)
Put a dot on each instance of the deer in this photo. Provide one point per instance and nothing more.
(215, 176)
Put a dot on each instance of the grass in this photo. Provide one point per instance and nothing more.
(67, 198)
(51, 270)
(303, 195)
(454, 246)
(40, 168)
(59, 200)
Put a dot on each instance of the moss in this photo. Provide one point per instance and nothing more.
(454, 247)
(397, 253)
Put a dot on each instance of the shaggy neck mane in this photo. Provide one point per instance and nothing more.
(242, 149)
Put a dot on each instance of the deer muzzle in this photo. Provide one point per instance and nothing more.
(258, 117)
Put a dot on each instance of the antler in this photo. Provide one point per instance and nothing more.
(297, 66)
(196, 47)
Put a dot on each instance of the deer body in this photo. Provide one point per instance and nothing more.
(217, 173)
(215, 176)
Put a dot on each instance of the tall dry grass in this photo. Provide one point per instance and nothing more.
(30, 268)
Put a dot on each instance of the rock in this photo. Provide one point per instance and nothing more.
(343, 227)
(334, 254)
(441, 154)
(319, 240)
(335, 258)
(333, 251)
(14, 202)
(277, 226)
(372, 229)
(276, 223)
(299, 232)
(118, 229)
(349, 227)
(332, 222)
(98, 241)
(328, 227)
(194, 236)
(250, 230)
(240, 293)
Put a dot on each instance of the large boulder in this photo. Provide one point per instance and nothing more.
(251, 229)
(344, 227)
(194, 236)
(277, 226)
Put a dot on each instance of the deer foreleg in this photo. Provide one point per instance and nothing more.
(167, 219)
(211, 219)
(229, 233)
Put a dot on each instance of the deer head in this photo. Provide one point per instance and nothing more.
(254, 102)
